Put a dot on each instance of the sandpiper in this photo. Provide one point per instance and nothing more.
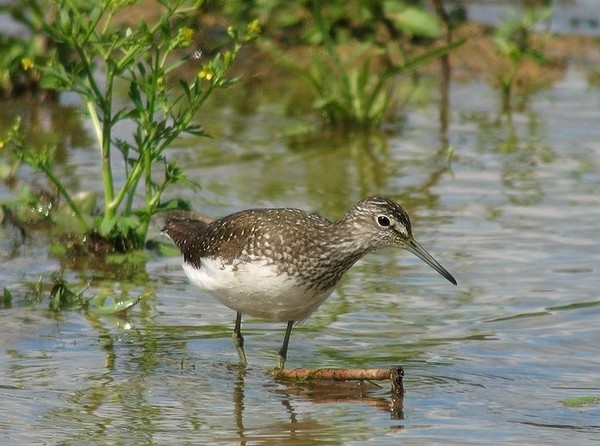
(280, 264)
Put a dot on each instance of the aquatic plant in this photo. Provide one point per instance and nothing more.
(514, 40)
(104, 52)
(354, 88)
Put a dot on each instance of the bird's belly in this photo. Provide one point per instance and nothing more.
(256, 289)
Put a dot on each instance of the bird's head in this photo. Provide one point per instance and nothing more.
(382, 222)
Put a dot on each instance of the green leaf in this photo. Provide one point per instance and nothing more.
(174, 203)
(125, 224)
(85, 201)
(6, 298)
(364, 76)
(415, 21)
(168, 250)
(580, 401)
(65, 219)
(120, 306)
(26, 195)
(107, 224)
(58, 250)
(61, 298)
(129, 257)
(134, 95)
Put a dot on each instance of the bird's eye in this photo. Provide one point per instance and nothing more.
(383, 221)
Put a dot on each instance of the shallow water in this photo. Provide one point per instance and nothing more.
(500, 359)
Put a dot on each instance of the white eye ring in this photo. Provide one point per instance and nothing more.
(384, 221)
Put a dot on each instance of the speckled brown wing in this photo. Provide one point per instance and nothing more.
(223, 238)
(269, 232)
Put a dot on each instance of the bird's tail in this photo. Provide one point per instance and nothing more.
(181, 229)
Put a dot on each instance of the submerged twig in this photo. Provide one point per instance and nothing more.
(394, 374)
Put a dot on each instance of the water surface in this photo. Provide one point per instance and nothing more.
(510, 356)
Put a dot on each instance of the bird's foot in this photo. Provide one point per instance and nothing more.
(280, 362)
(238, 341)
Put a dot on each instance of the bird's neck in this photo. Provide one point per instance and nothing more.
(349, 241)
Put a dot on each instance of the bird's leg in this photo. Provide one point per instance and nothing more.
(238, 339)
(282, 355)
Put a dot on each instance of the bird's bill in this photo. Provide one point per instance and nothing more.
(421, 253)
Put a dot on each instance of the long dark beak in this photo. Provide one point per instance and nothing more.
(420, 252)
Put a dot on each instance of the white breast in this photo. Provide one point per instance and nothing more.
(256, 289)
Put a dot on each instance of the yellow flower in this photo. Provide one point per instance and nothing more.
(253, 27)
(1, 144)
(252, 32)
(185, 37)
(206, 73)
(27, 63)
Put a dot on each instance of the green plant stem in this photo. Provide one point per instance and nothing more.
(131, 194)
(107, 177)
(151, 205)
(106, 141)
(65, 194)
(507, 85)
(102, 129)
(131, 181)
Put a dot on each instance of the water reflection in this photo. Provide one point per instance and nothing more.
(523, 153)
(157, 385)
(301, 429)
(335, 164)
(48, 124)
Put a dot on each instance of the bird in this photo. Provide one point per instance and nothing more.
(281, 264)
